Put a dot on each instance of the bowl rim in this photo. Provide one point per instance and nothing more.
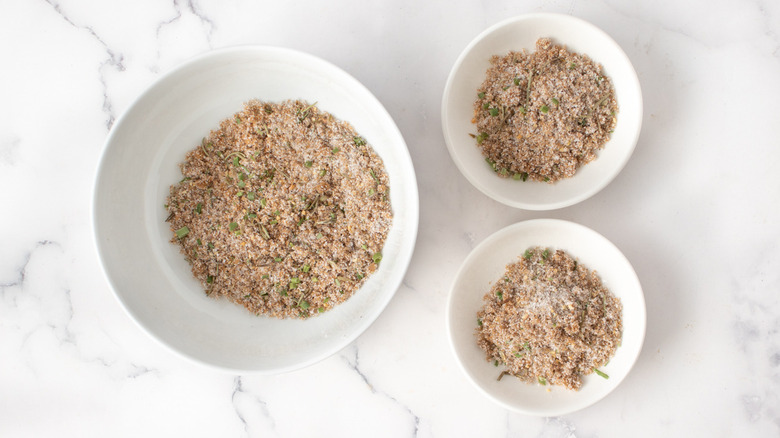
(475, 180)
(490, 240)
(411, 228)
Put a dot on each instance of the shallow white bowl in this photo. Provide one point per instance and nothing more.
(487, 263)
(521, 33)
(140, 162)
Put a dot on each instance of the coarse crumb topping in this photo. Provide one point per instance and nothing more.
(284, 209)
(543, 115)
(549, 320)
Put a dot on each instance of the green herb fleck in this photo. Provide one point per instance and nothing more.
(308, 163)
(542, 380)
(481, 95)
(377, 257)
(545, 109)
(493, 112)
(210, 279)
(199, 208)
(359, 141)
(555, 101)
(181, 232)
(600, 373)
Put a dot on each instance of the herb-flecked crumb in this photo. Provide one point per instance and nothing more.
(543, 114)
(552, 322)
(278, 193)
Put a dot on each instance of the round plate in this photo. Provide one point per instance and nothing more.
(140, 162)
(521, 33)
(487, 263)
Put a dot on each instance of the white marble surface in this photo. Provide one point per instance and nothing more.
(696, 211)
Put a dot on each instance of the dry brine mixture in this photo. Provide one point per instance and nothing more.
(543, 115)
(284, 209)
(549, 320)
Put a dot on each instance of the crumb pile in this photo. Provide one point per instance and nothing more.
(543, 115)
(549, 320)
(284, 209)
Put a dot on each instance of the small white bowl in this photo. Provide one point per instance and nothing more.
(521, 33)
(487, 262)
(140, 162)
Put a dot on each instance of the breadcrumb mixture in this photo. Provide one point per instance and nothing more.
(284, 210)
(543, 115)
(549, 320)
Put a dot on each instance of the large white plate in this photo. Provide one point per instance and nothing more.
(140, 162)
(487, 262)
(521, 33)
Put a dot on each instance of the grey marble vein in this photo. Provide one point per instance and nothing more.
(114, 60)
(244, 402)
(21, 271)
(354, 365)
(195, 10)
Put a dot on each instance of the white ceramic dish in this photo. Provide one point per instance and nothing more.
(521, 33)
(487, 262)
(140, 162)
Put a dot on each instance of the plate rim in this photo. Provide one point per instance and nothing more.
(486, 243)
(411, 228)
(474, 179)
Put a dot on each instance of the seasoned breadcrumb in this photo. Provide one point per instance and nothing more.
(543, 115)
(284, 209)
(549, 320)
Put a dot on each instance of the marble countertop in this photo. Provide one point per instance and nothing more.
(695, 210)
